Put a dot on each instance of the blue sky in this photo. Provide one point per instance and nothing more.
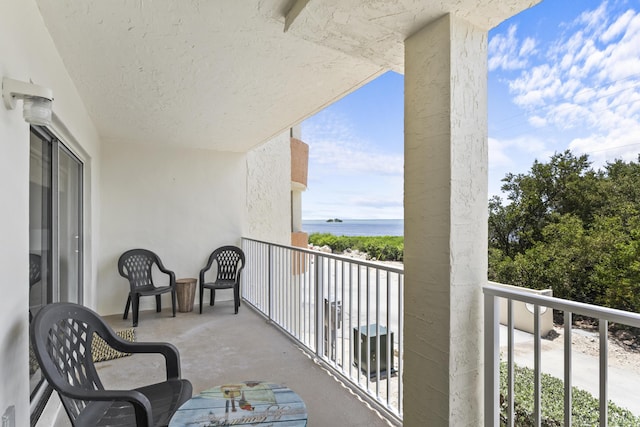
(564, 74)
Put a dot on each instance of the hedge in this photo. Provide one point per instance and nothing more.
(381, 248)
(585, 407)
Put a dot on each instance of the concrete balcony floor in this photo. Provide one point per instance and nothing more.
(219, 347)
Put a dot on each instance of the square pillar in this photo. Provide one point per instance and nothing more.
(445, 223)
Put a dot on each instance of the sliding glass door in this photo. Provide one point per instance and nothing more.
(69, 226)
(55, 234)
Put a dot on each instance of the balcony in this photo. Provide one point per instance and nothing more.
(275, 336)
(283, 335)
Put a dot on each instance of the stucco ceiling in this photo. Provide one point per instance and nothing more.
(224, 74)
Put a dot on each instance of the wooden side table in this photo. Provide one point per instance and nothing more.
(186, 293)
(248, 403)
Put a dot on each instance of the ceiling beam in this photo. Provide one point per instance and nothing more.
(294, 12)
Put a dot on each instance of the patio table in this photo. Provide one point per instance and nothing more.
(243, 404)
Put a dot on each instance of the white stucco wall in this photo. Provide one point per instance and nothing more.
(179, 203)
(445, 223)
(269, 191)
(26, 52)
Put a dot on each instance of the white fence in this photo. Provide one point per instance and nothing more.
(492, 295)
(346, 312)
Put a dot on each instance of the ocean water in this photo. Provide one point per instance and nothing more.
(356, 227)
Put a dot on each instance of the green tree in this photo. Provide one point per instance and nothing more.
(565, 185)
(570, 228)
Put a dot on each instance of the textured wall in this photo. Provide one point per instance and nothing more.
(29, 55)
(269, 191)
(445, 223)
(180, 203)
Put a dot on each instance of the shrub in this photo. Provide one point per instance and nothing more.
(382, 248)
(585, 407)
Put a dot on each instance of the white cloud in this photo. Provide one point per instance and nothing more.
(589, 82)
(349, 176)
(504, 51)
(615, 145)
(537, 121)
(497, 154)
(528, 47)
(618, 27)
(349, 158)
(536, 86)
(501, 150)
(335, 149)
(378, 202)
(594, 19)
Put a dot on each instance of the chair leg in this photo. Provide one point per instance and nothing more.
(158, 304)
(212, 300)
(173, 302)
(201, 292)
(126, 308)
(135, 305)
(236, 298)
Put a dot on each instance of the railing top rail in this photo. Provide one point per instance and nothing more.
(373, 264)
(610, 314)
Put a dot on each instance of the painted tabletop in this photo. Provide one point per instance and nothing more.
(242, 404)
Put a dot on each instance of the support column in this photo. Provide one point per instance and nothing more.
(445, 223)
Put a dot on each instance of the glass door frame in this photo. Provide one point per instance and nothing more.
(42, 391)
(57, 146)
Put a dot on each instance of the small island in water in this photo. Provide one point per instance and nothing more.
(334, 220)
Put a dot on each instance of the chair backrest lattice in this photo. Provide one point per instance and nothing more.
(68, 344)
(137, 268)
(229, 261)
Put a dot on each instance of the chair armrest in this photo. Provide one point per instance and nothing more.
(206, 268)
(171, 274)
(201, 275)
(141, 404)
(168, 350)
(162, 268)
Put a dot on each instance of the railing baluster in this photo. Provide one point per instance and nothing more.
(311, 284)
(400, 340)
(491, 361)
(327, 311)
(342, 322)
(275, 285)
(359, 330)
(390, 360)
(568, 390)
(270, 287)
(604, 362)
(537, 355)
(318, 303)
(306, 285)
(349, 331)
(510, 363)
(368, 313)
(377, 349)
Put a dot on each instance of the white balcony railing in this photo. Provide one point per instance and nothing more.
(540, 303)
(346, 312)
